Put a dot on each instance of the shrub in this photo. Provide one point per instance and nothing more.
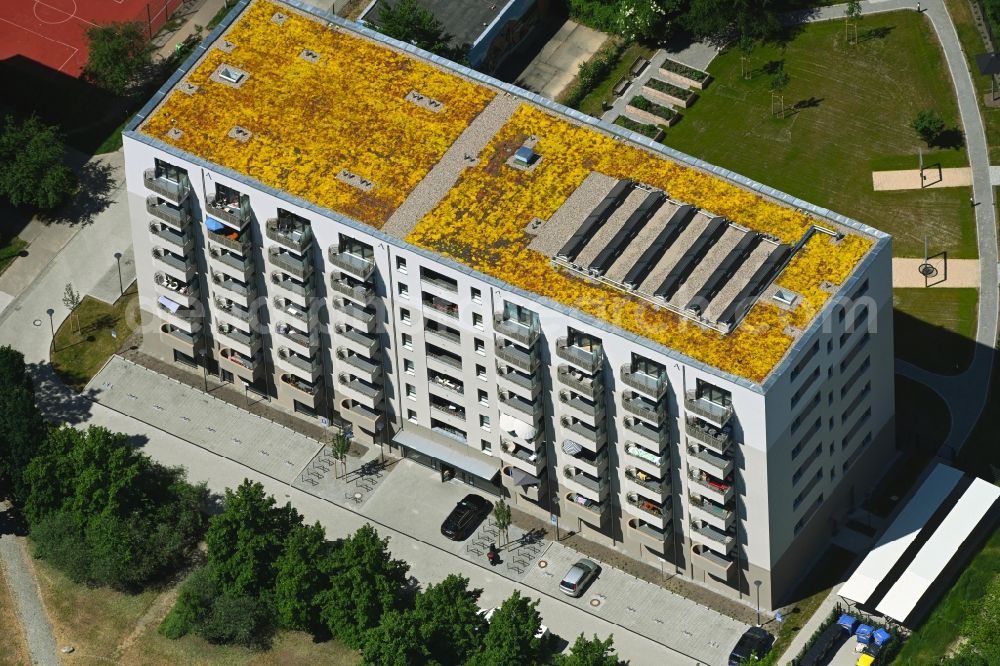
(594, 71)
(603, 16)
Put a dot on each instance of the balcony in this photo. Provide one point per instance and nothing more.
(306, 368)
(576, 505)
(642, 481)
(719, 566)
(447, 339)
(181, 240)
(520, 407)
(179, 217)
(650, 534)
(595, 464)
(714, 413)
(286, 306)
(307, 390)
(303, 343)
(523, 361)
(646, 459)
(577, 407)
(655, 436)
(441, 283)
(532, 462)
(353, 265)
(357, 341)
(516, 331)
(643, 408)
(434, 304)
(595, 436)
(717, 540)
(300, 267)
(527, 386)
(359, 366)
(717, 516)
(712, 488)
(245, 343)
(174, 265)
(234, 215)
(244, 366)
(359, 293)
(231, 239)
(367, 394)
(587, 360)
(232, 264)
(230, 309)
(299, 290)
(355, 315)
(447, 361)
(243, 290)
(710, 462)
(186, 294)
(717, 439)
(646, 509)
(588, 387)
(180, 339)
(293, 235)
(449, 413)
(176, 193)
(448, 386)
(590, 487)
(652, 387)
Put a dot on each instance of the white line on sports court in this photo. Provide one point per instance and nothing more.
(18, 25)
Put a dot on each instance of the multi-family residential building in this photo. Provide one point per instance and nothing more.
(674, 360)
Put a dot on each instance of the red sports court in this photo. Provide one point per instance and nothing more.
(53, 32)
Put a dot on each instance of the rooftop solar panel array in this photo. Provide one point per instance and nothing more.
(633, 225)
(595, 220)
(682, 269)
(671, 230)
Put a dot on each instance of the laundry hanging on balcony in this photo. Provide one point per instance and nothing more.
(213, 224)
(169, 304)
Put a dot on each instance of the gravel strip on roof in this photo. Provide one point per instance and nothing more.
(739, 280)
(673, 254)
(705, 266)
(604, 235)
(568, 218)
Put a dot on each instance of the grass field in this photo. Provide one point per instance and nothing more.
(9, 252)
(935, 328)
(938, 634)
(972, 44)
(851, 107)
(108, 626)
(77, 356)
(13, 648)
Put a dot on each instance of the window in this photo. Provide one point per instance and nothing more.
(481, 372)
(484, 422)
(401, 265)
(407, 341)
(647, 367)
(411, 415)
(519, 314)
(404, 315)
(477, 296)
(480, 346)
(356, 247)
(170, 172)
(408, 367)
(484, 397)
(438, 279)
(486, 446)
(477, 321)
(583, 340)
(411, 391)
(404, 290)
(713, 393)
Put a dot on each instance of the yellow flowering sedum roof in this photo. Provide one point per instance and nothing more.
(347, 111)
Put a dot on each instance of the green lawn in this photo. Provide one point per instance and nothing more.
(10, 251)
(935, 328)
(591, 104)
(851, 107)
(77, 356)
(972, 44)
(932, 640)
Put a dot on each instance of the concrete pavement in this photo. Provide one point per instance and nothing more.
(558, 62)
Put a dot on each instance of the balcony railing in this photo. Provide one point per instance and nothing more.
(447, 360)
(359, 386)
(362, 341)
(452, 385)
(595, 435)
(654, 387)
(444, 334)
(513, 450)
(179, 217)
(711, 462)
(636, 451)
(709, 559)
(714, 535)
(232, 240)
(231, 214)
(717, 438)
(238, 336)
(354, 311)
(440, 305)
(447, 285)
(528, 362)
(449, 409)
(242, 264)
(288, 284)
(528, 383)
(239, 359)
(596, 509)
(592, 410)
(300, 385)
(588, 360)
(293, 310)
(168, 189)
(230, 284)
(300, 267)
(232, 310)
(178, 238)
(533, 410)
(292, 235)
(641, 408)
(183, 336)
(647, 481)
(648, 530)
(295, 360)
(359, 365)
(656, 435)
(710, 411)
(655, 509)
(578, 382)
(526, 335)
(722, 491)
(352, 264)
(298, 337)
(172, 260)
(719, 512)
(361, 294)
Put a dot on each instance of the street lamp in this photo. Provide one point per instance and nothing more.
(203, 355)
(757, 584)
(52, 327)
(121, 287)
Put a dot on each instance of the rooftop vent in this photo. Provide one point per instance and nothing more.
(279, 18)
(785, 297)
(524, 156)
(309, 55)
(231, 75)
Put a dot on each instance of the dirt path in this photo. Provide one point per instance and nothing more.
(154, 614)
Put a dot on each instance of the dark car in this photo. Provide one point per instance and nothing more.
(754, 642)
(465, 517)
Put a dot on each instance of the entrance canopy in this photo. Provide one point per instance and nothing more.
(462, 456)
(522, 478)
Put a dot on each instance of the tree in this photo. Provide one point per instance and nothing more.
(116, 55)
(407, 21)
(32, 172)
(779, 81)
(396, 641)
(71, 299)
(246, 539)
(341, 445)
(928, 125)
(298, 579)
(647, 20)
(501, 514)
(512, 637)
(448, 620)
(729, 20)
(365, 584)
(590, 652)
(852, 15)
(22, 429)
(746, 49)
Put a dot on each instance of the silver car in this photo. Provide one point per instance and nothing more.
(578, 577)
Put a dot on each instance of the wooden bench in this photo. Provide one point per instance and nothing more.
(621, 86)
(637, 66)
